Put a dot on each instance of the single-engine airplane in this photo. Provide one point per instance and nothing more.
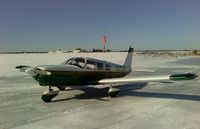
(89, 71)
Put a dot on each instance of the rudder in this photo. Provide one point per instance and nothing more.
(128, 60)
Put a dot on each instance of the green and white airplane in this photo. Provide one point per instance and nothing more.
(89, 71)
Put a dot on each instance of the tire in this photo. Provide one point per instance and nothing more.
(113, 94)
(48, 95)
(46, 98)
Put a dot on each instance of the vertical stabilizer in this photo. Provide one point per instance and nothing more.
(128, 61)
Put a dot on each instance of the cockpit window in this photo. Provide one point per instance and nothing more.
(80, 62)
(69, 60)
(90, 64)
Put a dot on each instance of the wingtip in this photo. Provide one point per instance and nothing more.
(186, 76)
(21, 66)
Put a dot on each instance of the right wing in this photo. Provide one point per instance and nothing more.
(174, 77)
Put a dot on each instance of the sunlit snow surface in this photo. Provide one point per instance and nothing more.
(139, 106)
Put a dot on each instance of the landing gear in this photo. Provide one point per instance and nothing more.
(61, 88)
(113, 92)
(48, 95)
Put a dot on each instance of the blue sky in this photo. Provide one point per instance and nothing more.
(42, 25)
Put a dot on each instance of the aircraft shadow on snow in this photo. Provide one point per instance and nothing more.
(128, 90)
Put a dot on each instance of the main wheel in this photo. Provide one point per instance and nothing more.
(48, 95)
(113, 92)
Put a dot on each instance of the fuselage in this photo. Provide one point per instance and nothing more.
(79, 71)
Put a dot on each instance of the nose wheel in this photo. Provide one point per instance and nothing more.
(48, 95)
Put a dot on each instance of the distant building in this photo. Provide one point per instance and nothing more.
(56, 51)
(76, 51)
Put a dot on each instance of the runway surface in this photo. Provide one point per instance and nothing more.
(139, 106)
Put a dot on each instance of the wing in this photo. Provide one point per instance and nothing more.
(32, 70)
(23, 68)
(174, 77)
(45, 69)
(136, 79)
(26, 69)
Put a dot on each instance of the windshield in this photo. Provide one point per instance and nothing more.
(80, 62)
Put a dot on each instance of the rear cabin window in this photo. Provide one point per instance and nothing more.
(99, 66)
(108, 67)
(90, 64)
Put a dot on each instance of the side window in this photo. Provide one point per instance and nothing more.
(108, 67)
(80, 62)
(90, 64)
(99, 66)
(70, 61)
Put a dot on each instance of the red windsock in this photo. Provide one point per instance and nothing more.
(104, 39)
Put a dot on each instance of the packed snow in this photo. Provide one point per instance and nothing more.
(140, 105)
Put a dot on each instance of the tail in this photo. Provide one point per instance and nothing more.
(128, 61)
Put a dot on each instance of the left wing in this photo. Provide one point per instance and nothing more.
(174, 77)
(32, 70)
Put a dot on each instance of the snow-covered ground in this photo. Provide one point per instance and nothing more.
(140, 105)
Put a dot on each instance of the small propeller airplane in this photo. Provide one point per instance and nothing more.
(89, 71)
